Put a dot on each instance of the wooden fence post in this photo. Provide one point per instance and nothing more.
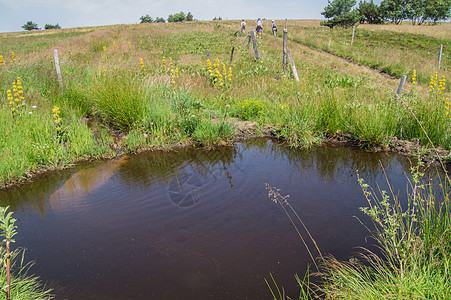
(286, 24)
(401, 85)
(249, 41)
(254, 43)
(231, 55)
(293, 67)
(285, 37)
(57, 67)
(208, 54)
(353, 32)
(440, 56)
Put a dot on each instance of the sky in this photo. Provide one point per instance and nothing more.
(84, 13)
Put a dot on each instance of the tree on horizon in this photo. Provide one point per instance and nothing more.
(30, 26)
(340, 13)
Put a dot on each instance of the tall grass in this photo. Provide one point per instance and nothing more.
(414, 239)
(118, 99)
(30, 142)
(24, 286)
(156, 108)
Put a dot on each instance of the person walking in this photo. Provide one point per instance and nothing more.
(259, 27)
(274, 28)
(243, 27)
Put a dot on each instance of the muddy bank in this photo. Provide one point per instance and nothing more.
(412, 148)
(409, 148)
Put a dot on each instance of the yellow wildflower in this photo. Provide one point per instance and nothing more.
(56, 110)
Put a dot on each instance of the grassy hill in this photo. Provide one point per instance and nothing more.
(134, 87)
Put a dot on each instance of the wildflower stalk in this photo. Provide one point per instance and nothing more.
(16, 98)
(141, 63)
(8, 228)
(219, 79)
(274, 195)
(57, 120)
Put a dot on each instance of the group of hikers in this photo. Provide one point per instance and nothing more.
(259, 27)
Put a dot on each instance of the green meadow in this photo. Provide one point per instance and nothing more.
(130, 88)
(152, 86)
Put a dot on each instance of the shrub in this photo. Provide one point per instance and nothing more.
(49, 26)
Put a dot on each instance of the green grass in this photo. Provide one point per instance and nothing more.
(118, 99)
(24, 286)
(161, 107)
(395, 53)
(414, 240)
(35, 42)
(30, 141)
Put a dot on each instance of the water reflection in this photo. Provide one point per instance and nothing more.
(190, 168)
(197, 219)
(161, 167)
(330, 162)
(76, 188)
(61, 190)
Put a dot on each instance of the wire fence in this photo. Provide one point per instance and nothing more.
(66, 62)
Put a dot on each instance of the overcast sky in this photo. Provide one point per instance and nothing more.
(81, 13)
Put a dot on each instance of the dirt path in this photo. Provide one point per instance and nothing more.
(348, 66)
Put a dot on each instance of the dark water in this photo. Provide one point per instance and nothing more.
(193, 223)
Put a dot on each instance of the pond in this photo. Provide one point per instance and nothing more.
(195, 223)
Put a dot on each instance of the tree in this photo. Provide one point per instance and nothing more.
(414, 10)
(49, 26)
(369, 12)
(159, 20)
(179, 17)
(436, 10)
(30, 26)
(217, 19)
(338, 7)
(146, 19)
(339, 13)
(189, 16)
(393, 10)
